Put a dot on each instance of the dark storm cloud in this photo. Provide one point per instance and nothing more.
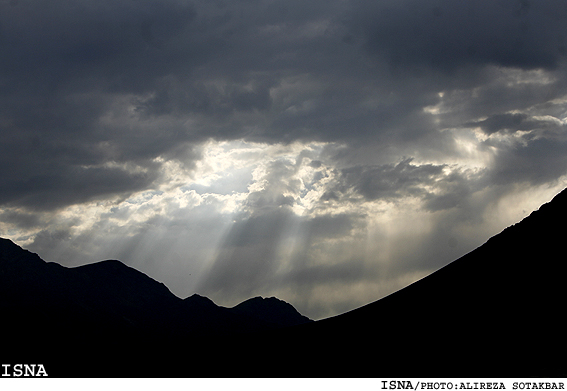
(105, 44)
(455, 189)
(474, 52)
(20, 219)
(440, 187)
(540, 161)
(387, 182)
(89, 82)
(70, 185)
(446, 35)
(64, 66)
(84, 83)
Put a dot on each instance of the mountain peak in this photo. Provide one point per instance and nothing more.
(107, 265)
(196, 300)
(10, 251)
(271, 310)
(260, 299)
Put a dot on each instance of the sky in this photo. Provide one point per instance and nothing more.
(326, 152)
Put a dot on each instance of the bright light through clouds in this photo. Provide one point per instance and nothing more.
(324, 152)
(271, 219)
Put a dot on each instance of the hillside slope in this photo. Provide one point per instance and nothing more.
(493, 312)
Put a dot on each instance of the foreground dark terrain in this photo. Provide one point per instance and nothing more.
(493, 312)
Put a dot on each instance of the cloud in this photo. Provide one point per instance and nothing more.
(508, 122)
(539, 161)
(391, 181)
(73, 185)
(446, 35)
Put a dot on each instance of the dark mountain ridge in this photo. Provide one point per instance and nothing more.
(118, 290)
(271, 310)
(112, 307)
(493, 312)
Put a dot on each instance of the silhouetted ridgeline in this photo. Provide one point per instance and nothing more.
(101, 319)
(494, 312)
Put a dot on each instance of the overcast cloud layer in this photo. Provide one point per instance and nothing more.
(324, 152)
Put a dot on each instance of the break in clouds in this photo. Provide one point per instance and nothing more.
(324, 152)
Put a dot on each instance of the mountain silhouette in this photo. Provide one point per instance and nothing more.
(71, 318)
(271, 310)
(493, 312)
